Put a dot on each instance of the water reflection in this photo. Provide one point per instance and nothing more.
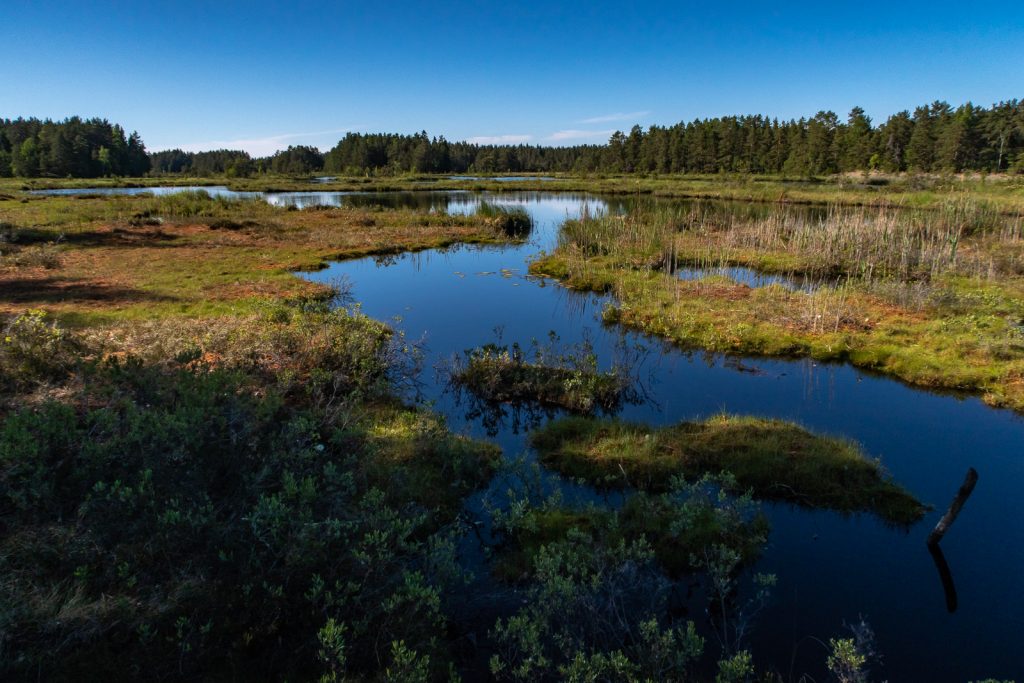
(945, 575)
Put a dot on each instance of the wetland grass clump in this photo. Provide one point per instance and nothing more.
(543, 375)
(962, 236)
(775, 460)
(513, 221)
(932, 296)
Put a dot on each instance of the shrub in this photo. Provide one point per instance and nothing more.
(196, 522)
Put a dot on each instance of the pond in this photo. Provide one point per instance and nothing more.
(832, 569)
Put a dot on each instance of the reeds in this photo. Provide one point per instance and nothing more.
(963, 237)
(513, 221)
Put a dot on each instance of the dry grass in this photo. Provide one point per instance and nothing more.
(193, 256)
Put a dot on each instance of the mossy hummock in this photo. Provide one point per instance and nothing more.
(775, 460)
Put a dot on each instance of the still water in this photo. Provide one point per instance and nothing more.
(832, 569)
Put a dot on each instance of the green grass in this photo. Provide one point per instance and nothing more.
(776, 460)
(513, 221)
(934, 298)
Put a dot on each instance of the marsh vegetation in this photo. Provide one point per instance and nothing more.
(932, 296)
(546, 374)
(213, 467)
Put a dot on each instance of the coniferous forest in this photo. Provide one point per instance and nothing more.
(933, 138)
(76, 147)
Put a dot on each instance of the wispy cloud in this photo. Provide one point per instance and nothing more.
(499, 139)
(265, 146)
(579, 135)
(620, 116)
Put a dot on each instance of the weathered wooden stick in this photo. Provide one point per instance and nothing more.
(954, 508)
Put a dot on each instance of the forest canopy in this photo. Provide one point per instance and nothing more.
(75, 147)
(933, 138)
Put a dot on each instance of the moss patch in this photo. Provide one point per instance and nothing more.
(776, 460)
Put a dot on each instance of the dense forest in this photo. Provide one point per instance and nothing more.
(297, 160)
(933, 138)
(81, 148)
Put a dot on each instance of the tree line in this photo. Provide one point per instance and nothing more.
(934, 137)
(81, 148)
(296, 160)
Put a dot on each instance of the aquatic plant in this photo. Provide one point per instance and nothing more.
(513, 221)
(542, 374)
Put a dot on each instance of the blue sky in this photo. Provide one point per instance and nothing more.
(263, 75)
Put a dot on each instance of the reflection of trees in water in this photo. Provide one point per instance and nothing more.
(522, 416)
(945, 575)
(498, 417)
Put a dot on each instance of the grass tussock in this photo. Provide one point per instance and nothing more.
(567, 379)
(776, 460)
(513, 221)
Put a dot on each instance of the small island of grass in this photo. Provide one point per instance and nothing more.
(504, 374)
(774, 459)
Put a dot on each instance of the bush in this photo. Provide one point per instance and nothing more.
(33, 351)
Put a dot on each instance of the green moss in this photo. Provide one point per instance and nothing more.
(776, 460)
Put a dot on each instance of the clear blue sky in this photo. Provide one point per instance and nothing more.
(263, 75)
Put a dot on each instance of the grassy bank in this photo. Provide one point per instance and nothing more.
(101, 259)
(933, 298)
(776, 460)
(205, 469)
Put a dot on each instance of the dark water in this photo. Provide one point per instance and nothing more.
(831, 568)
(746, 276)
